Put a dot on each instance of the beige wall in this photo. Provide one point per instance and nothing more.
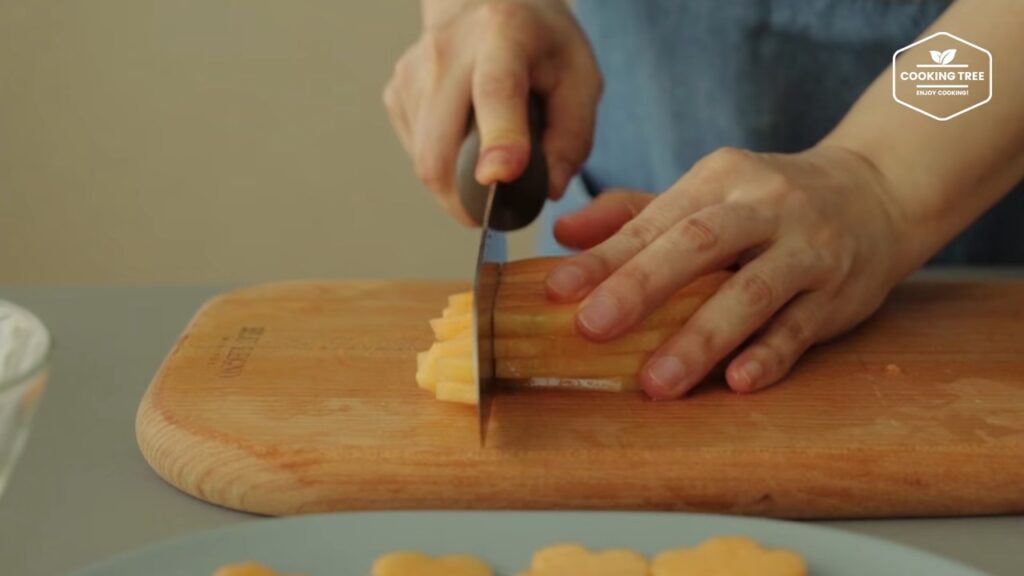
(208, 140)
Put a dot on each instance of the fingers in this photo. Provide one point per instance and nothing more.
(772, 355)
(583, 272)
(569, 134)
(441, 124)
(705, 184)
(428, 110)
(395, 105)
(501, 85)
(701, 243)
(740, 307)
(601, 218)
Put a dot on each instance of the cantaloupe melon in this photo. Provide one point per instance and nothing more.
(537, 343)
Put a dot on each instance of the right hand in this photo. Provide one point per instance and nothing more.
(490, 55)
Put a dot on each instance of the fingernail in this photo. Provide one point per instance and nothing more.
(750, 373)
(667, 373)
(495, 163)
(566, 280)
(599, 314)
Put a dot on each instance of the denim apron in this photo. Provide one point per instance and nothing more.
(684, 77)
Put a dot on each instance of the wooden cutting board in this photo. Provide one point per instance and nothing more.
(300, 397)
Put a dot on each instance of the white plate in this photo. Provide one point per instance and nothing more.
(346, 544)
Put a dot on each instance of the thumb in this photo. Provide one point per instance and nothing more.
(601, 218)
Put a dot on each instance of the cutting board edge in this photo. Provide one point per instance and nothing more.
(221, 465)
(275, 492)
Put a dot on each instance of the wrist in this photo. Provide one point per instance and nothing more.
(911, 240)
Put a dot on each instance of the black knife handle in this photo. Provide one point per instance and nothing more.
(516, 203)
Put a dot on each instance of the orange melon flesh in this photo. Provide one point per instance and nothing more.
(560, 319)
(461, 302)
(570, 367)
(462, 392)
(537, 343)
(452, 327)
(417, 564)
(568, 346)
(573, 559)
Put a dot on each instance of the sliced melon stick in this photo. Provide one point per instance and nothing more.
(534, 296)
(460, 346)
(527, 346)
(426, 362)
(527, 265)
(455, 391)
(532, 285)
(570, 367)
(601, 384)
(560, 320)
(426, 377)
(462, 301)
(452, 327)
(458, 368)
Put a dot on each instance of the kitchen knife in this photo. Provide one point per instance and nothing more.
(498, 208)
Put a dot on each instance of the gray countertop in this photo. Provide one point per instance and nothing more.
(83, 493)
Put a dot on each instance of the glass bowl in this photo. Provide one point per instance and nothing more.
(24, 365)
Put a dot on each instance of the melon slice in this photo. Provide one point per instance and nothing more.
(566, 559)
(733, 555)
(417, 564)
(536, 342)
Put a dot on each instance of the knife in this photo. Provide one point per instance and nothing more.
(498, 208)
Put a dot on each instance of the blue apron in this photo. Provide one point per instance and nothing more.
(684, 77)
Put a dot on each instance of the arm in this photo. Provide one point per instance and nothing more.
(820, 237)
(943, 175)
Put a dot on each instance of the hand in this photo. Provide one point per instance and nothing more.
(492, 54)
(816, 237)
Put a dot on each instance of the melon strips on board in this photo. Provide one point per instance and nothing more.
(536, 342)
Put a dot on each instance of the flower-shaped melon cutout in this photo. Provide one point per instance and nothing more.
(248, 569)
(417, 564)
(575, 560)
(728, 556)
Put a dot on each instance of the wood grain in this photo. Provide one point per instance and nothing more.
(299, 397)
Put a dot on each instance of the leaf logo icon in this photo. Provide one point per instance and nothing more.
(948, 55)
(944, 57)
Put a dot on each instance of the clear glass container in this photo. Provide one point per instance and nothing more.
(24, 365)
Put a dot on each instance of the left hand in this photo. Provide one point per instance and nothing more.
(816, 236)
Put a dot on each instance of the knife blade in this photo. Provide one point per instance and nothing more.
(493, 253)
(498, 208)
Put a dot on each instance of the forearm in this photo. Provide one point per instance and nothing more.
(943, 175)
